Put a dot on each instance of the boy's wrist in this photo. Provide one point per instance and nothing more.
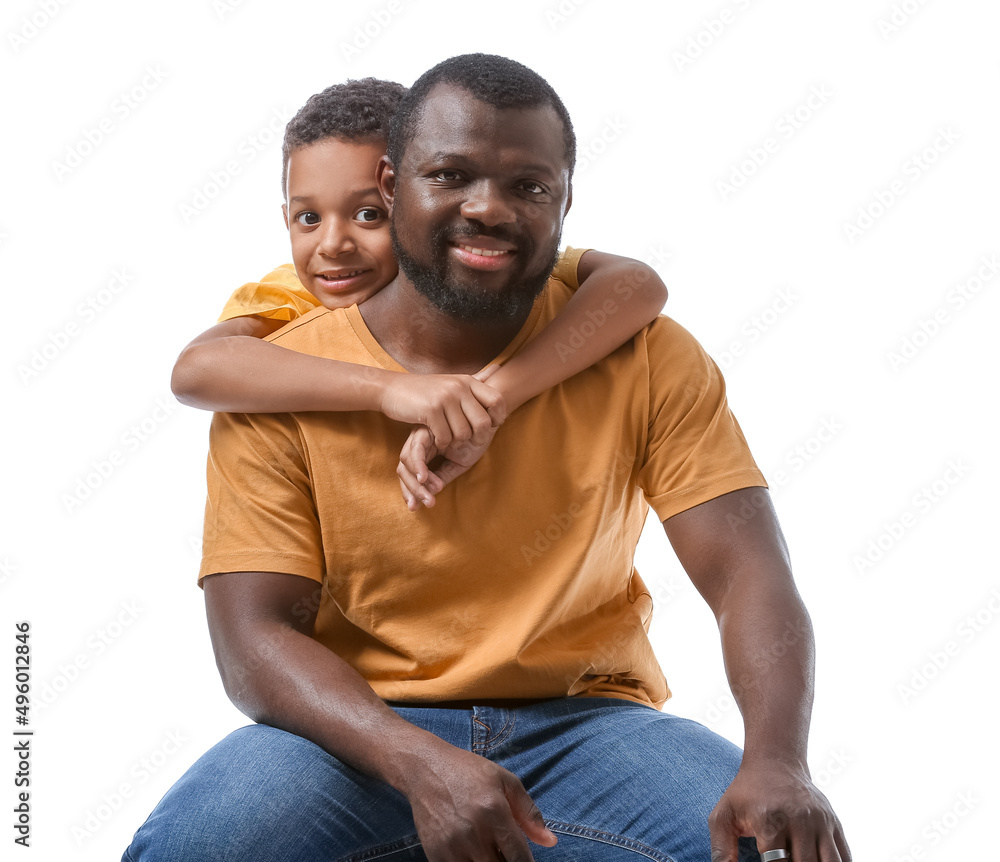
(507, 382)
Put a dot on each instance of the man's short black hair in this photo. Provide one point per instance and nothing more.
(360, 110)
(498, 81)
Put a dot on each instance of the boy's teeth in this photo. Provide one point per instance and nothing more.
(484, 252)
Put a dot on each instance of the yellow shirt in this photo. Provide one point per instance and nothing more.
(519, 583)
(281, 296)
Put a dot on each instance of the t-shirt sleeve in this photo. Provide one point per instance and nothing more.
(566, 266)
(695, 450)
(279, 296)
(260, 515)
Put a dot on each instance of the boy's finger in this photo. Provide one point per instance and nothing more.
(487, 372)
(418, 494)
(492, 401)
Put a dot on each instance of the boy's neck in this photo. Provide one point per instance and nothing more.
(425, 340)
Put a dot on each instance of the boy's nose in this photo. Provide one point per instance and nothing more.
(336, 240)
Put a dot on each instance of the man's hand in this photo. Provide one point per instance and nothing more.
(467, 807)
(454, 407)
(783, 809)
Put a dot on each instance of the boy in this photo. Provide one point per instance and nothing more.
(339, 230)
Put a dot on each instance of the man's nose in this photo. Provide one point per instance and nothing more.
(335, 239)
(486, 203)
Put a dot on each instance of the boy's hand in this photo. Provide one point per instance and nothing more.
(455, 408)
(419, 483)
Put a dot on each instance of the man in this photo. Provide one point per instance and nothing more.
(434, 684)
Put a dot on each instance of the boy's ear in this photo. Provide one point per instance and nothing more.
(284, 214)
(385, 179)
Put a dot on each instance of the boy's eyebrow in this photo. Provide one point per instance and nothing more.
(360, 193)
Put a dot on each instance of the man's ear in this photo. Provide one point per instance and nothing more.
(385, 179)
(569, 199)
(284, 214)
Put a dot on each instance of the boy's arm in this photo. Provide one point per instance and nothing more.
(617, 297)
(230, 369)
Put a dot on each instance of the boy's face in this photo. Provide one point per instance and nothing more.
(337, 221)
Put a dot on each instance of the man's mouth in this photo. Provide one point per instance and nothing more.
(483, 253)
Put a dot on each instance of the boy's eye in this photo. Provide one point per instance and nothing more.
(369, 214)
(308, 218)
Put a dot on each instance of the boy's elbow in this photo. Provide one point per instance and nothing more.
(186, 380)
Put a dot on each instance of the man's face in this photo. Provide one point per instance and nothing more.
(478, 204)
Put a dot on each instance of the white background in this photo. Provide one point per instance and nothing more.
(882, 470)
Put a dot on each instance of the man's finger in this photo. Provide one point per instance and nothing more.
(725, 843)
(527, 815)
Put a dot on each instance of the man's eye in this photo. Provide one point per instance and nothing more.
(447, 176)
(369, 214)
(534, 188)
(307, 219)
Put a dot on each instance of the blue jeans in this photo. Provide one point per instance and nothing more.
(615, 781)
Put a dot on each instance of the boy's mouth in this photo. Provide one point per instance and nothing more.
(338, 279)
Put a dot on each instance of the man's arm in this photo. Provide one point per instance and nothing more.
(740, 565)
(464, 806)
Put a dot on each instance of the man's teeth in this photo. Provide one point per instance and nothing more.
(484, 252)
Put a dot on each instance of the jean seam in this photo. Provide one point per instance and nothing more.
(383, 850)
(612, 838)
(510, 719)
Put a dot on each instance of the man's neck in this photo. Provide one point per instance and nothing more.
(425, 340)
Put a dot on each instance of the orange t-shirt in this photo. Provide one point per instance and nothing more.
(519, 583)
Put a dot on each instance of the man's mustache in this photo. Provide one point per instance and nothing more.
(473, 228)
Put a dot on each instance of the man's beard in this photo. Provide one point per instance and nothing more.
(470, 302)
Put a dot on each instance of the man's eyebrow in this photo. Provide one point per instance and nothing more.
(531, 167)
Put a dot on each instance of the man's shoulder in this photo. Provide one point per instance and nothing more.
(329, 333)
